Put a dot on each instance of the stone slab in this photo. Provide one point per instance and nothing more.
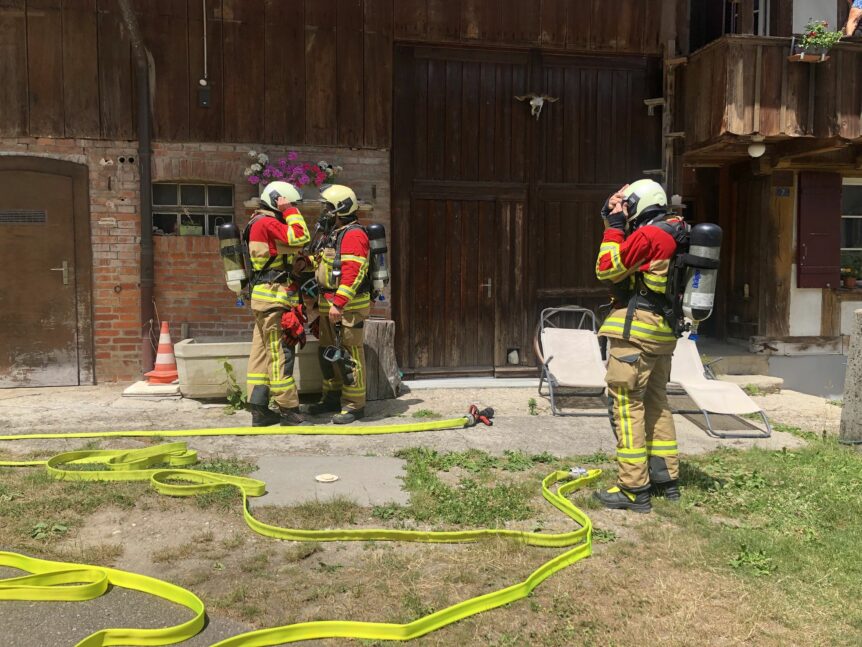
(763, 383)
(368, 480)
(146, 390)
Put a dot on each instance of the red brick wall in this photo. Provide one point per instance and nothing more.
(190, 289)
(189, 284)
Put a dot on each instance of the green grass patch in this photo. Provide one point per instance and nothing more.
(791, 517)
(426, 413)
(752, 389)
(227, 465)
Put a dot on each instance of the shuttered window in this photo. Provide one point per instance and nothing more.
(819, 233)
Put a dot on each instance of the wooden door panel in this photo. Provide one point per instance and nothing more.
(448, 312)
(569, 233)
(38, 318)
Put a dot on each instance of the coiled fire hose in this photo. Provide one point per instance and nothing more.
(51, 580)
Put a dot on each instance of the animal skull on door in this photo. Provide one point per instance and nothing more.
(537, 102)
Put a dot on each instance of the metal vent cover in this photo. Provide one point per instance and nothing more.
(23, 217)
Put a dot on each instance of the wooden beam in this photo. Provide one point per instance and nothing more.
(803, 147)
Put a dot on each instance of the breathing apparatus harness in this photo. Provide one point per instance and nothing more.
(264, 274)
(683, 266)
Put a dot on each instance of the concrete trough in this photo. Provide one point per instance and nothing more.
(200, 364)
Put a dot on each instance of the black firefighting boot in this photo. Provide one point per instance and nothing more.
(328, 403)
(669, 490)
(258, 404)
(617, 498)
(662, 482)
(291, 418)
(346, 417)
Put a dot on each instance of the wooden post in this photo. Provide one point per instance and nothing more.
(382, 378)
(851, 414)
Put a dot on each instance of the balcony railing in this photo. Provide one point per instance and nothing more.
(741, 86)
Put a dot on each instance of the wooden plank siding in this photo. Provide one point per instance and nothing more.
(744, 85)
(279, 71)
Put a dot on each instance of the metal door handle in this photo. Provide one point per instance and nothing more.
(804, 251)
(65, 270)
(487, 286)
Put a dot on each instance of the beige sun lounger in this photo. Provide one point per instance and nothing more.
(711, 396)
(571, 359)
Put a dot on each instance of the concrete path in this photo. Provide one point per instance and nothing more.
(367, 480)
(101, 408)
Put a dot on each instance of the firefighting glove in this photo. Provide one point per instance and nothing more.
(293, 327)
(616, 220)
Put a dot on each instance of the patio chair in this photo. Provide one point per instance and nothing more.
(569, 356)
(711, 396)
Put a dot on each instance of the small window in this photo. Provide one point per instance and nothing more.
(191, 209)
(851, 224)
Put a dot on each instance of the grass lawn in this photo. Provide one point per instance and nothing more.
(764, 549)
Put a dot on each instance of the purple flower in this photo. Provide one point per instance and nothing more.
(253, 179)
(292, 155)
(304, 178)
(277, 174)
(267, 172)
(282, 162)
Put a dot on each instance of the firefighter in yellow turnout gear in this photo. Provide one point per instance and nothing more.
(344, 303)
(635, 256)
(275, 234)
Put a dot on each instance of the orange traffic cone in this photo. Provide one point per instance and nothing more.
(165, 371)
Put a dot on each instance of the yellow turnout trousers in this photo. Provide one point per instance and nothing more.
(352, 339)
(637, 377)
(271, 360)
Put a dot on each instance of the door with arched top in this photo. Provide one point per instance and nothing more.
(45, 274)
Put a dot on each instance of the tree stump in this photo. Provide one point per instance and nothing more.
(851, 414)
(382, 376)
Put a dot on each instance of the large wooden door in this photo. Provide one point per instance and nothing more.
(496, 212)
(41, 315)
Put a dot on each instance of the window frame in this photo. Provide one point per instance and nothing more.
(210, 213)
(857, 182)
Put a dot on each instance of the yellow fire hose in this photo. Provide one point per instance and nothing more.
(50, 580)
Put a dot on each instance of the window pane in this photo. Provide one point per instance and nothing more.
(193, 195)
(165, 194)
(220, 196)
(165, 223)
(192, 224)
(851, 200)
(215, 220)
(851, 232)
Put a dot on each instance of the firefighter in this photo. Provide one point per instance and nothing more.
(635, 256)
(274, 235)
(344, 303)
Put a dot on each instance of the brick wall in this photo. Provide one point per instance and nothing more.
(189, 285)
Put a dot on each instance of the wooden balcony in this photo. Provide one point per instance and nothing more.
(740, 87)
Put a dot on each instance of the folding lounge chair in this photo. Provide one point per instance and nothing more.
(570, 357)
(711, 396)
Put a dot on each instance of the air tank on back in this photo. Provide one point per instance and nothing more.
(377, 242)
(700, 282)
(231, 252)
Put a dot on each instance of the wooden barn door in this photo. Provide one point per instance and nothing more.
(496, 213)
(596, 137)
(460, 173)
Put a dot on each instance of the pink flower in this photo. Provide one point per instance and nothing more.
(253, 179)
(292, 155)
